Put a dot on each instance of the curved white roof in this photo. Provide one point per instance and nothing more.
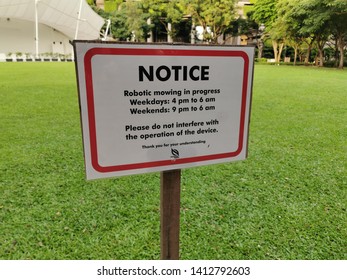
(61, 15)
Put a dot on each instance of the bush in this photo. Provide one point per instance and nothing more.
(261, 60)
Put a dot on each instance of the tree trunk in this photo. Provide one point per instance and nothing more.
(169, 32)
(280, 51)
(341, 58)
(150, 33)
(309, 43)
(341, 47)
(321, 57)
(308, 53)
(321, 63)
(295, 54)
(277, 50)
(260, 48)
(320, 42)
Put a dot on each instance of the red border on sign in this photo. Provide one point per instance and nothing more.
(158, 52)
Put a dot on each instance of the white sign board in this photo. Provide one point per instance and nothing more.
(148, 108)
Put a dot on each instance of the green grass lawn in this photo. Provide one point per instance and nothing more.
(286, 201)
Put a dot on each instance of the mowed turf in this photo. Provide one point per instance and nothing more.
(286, 201)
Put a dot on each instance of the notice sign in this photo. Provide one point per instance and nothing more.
(148, 108)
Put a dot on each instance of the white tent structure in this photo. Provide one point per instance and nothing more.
(45, 26)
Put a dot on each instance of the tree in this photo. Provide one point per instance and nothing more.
(165, 12)
(312, 18)
(314, 21)
(338, 25)
(265, 12)
(215, 15)
(119, 27)
(132, 17)
(128, 21)
(136, 20)
(294, 36)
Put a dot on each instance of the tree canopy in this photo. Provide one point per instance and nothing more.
(215, 14)
(306, 22)
(301, 24)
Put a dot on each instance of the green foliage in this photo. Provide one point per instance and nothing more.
(242, 26)
(216, 14)
(291, 21)
(131, 16)
(128, 21)
(318, 19)
(111, 6)
(306, 22)
(167, 11)
(265, 12)
(120, 29)
(286, 201)
(136, 20)
(309, 16)
(164, 12)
